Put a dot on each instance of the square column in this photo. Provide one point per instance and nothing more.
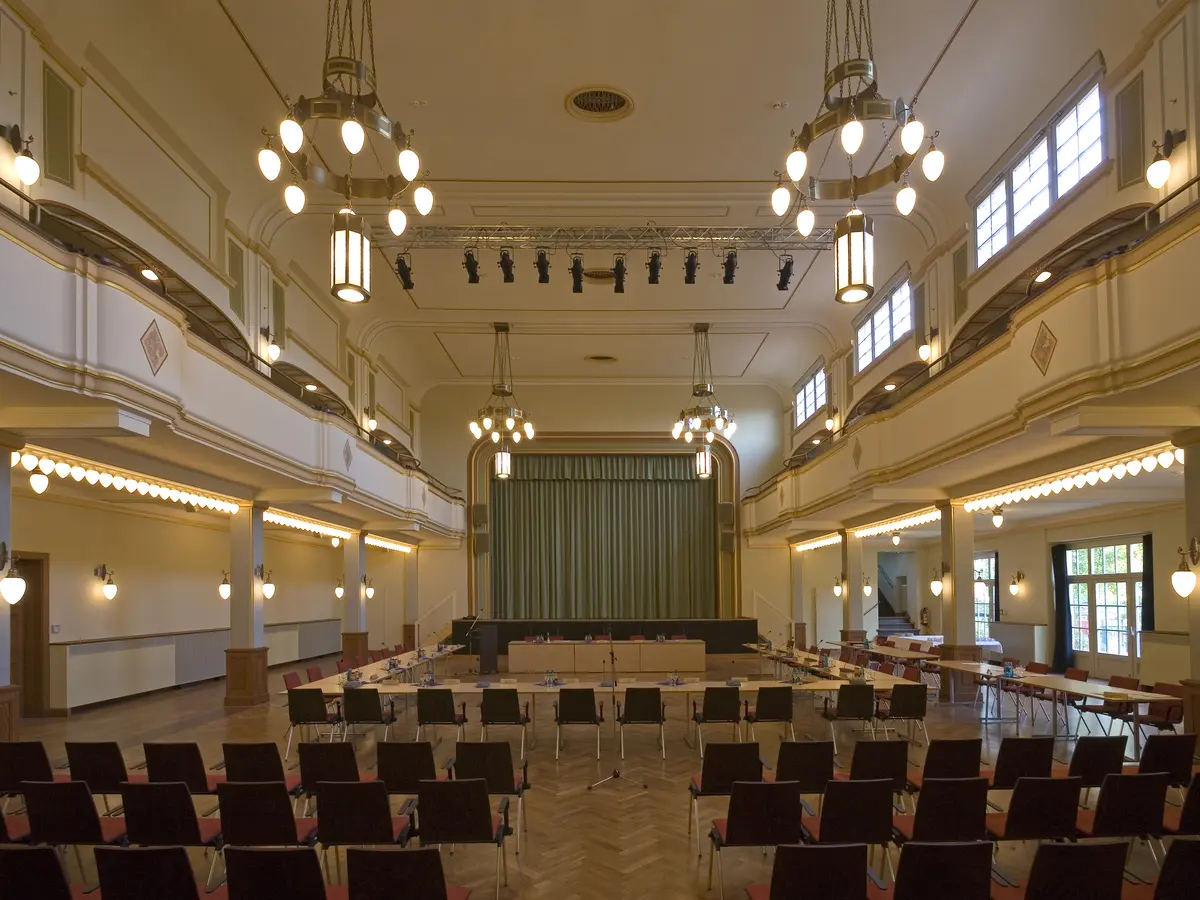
(10, 695)
(852, 593)
(1191, 518)
(799, 619)
(958, 600)
(412, 605)
(246, 658)
(355, 638)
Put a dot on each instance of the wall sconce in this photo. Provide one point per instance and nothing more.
(1159, 170)
(997, 517)
(268, 585)
(372, 422)
(224, 588)
(12, 585)
(837, 584)
(867, 586)
(925, 351)
(26, 167)
(1183, 579)
(370, 588)
(105, 574)
(937, 583)
(272, 345)
(895, 538)
(831, 418)
(340, 590)
(1016, 582)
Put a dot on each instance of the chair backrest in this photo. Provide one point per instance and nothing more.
(1043, 809)
(354, 812)
(1095, 871)
(725, 763)
(944, 871)
(809, 763)
(881, 759)
(637, 637)
(490, 760)
(856, 701)
(435, 706)
(1171, 711)
(160, 814)
(912, 673)
(457, 811)
(403, 765)
(773, 704)
(1180, 872)
(721, 704)
(99, 763)
(177, 762)
(32, 872)
(557, 637)
(326, 762)
(1030, 757)
(857, 812)
(763, 814)
(313, 673)
(294, 873)
(23, 761)
(374, 874)
(952, 809)
(1131, 806)
(953, 758)
(1095, 756)
(256, 814)
(1074, 673)
(252, 762)
(342, 666)
(832, 871)
(1037, 668)
(644, 704)
(291, 680)
(679, 637)
(1170, 753)
(362, 706)
(577, 706)
(500, 706)
(61, 812)
(145, 873)
(908, 701)
(1189, 816)
(306, 706)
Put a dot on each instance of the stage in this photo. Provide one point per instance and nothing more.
(719, 635)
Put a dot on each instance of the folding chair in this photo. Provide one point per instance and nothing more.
(773, 704)
(294, 873)
(357, 812)
(258, 762)
(374, 875)
(1185, 819)
(722, 704)
(364, 706)
(1129, 806)
(643, 706)
(723, 765)
(1031, 757)
(953, 758)
(853, 812)
(259, 815)
(180, 762)
(63, 813)
(35, 873)
(815, 870)
(435, 706)
(459, 812)
(320, 763)
(1178, 879)
(1094, 871)
(146, 873)
(855, 702)
(761, 814)
(102, 765)
(163, 815)
(576, 706)
(403, 765)
(493, 763)
(951, 810)
(1040, 809)
(943, 871)
(307, 709)
(907, 703)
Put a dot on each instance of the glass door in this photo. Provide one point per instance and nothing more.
(1104, 590)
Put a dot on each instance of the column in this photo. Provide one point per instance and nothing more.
(852, 593)
(799, 618)
(958, 599)
(412, 605)
(10, 695)
(355, 638)
(1191, 518)
(246, 658)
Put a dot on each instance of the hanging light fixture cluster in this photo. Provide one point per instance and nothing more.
(500, 417)
(851, 96)
(349, 97)
(705, 416)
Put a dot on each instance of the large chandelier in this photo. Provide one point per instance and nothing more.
(348, 98)
(851, 97)
(704, 417)
(501, 416)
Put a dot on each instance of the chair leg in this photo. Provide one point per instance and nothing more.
(499, 853)
(662, 740)
(712, 852)
(720, 877)
(792, 730)
(597, 742)
(833, 737)
(288, 754)
(700, 739)
(557, 740)
(211, 868)
(522, 741)
(622, 740)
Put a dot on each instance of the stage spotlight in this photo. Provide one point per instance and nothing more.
(730, 266)
(507, 266)
(404, 270)
(471, 264)
(785, 272)
(690, 266)
(619, 275)
(654, 265)
(542, 263)
(576, 274)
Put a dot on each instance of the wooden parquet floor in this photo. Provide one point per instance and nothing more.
(619, 840)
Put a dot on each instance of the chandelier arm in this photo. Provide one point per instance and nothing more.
(847, 188)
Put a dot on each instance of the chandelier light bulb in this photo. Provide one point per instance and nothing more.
(91, 476)
(852, 136)
(1179, 455)
(27, 168)
(911, 136)
(62, 470)
(339, 591)
(12, 586)
(510, 423)
(866, 588)
(106, 480)
(1133, 467)
(1164, 459)
(935, 587)
(273, 350)
(39, 482)
(529, 430)
(293, 196)
(906, 199)
(709, 437)
(720, 423)
(687, 437)
(370, 591)
(730, 429)
(410, 164)
(353, 135)
(291, 135)
(1013, 587)
(933, 163)
(1149, 464)
(806, 219)
(516, 436)
(781, 199)
(487, 423)
(29, 462)
(269, 163)
(476, 431)
(495, 437)
(423, 200)
(46, 466)
(397, 220)
(1183, 579)
(797, 163)
(925, 351)
(1158, 173)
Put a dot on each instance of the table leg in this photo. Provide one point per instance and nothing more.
(1054, 714)
(1137, 731)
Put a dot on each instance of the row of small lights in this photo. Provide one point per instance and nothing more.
(895, 525)
(42, 467)
(817, 543)
(318, 528)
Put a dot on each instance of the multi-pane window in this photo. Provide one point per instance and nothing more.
(991, 224)
(1104, 591)
(1031, 186)
(890, 321)
(1077, 140)
(810, 398)
(986, 594)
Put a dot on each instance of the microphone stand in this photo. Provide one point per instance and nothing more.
(470, 637)
(612, 661)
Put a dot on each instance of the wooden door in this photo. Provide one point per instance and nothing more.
(30, 648)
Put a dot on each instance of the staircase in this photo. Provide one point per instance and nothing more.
(889, 625)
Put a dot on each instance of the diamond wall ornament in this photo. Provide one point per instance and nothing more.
(1042, 350)
(154, 347)
(347, 454)
(856, 453)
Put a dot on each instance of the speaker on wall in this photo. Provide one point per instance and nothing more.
(727, 539)
(725, 513)
(483, 544)
(479, 515)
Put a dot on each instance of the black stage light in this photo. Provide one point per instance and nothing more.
(576, 274)
(507, 266)
(785, 272)
(404, 270)
(542, 263)
(730, 266)
(654, 264)
(690, 265)
(471, 264)
(619, 275)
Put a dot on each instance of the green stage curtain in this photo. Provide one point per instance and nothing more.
(604, 537)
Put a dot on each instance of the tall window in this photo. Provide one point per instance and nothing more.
(810, 398)
(987, 595)
(991, 224)
(890, 321)
(1104, 591)
(1031, 186)
(1077, 138)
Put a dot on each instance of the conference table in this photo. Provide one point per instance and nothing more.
(405, 663)
(889, 652)
(594, 656)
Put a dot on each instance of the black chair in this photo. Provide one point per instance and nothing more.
(355, 813)
(459, 812)
(1031, 757)
(374, 875)
(102, 766)
(259, 815)
(258, 762)
(761, 814)
(145, 873)
(1179, 820)
(320, 763)
(35, 873)
(880, 759)
(854, 812)
(163, 815)
(502, 706)
(14, 829)
(363, 706)
(1095, 758)
(24, 761)
(403, 765)
(951, 810)
(307, 709)
(492, 761)
(808, 763)
(721, 704)
(944, 871)
(832, 871)
(643, 706)
(907, 703)
(1170, 753)
(1040, 809)
(1129, 806)
(725, 764)
(294, 873)
(435, 706)
(63, 813)
(855, 703)
(180, 762)
(772, 704)
(956, 758)
(1094, 871)
(1178, 879)
(577, 706)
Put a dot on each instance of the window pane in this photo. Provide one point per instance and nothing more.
(819, 380)
(1135, 558)
(1078, 603)
(901, 311)
(865, 354)
(1122, 551)
(882, 327)
(991, 224)
(1077, 140)
(1031, 186)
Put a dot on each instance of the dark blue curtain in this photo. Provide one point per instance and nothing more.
(1064, 656)
(1147, 582)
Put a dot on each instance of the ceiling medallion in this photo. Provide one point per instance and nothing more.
(349, 98)
(851, 97)
(501, 416)
(704, 416)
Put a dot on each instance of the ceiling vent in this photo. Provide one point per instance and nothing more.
(599, 104)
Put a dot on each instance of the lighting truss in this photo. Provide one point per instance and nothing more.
(718, 239)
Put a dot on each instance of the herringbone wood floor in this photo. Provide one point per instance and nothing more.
(616, 841)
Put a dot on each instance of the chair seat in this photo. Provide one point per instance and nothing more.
(1171, 819)
(763, 891)
(400, 826)
(1137, 891)
(720, 826)
(18, 828)
(305, 829)
(210, 830)
(1004, 892)
(811, 826)
(454, 892)
(497, 826)
(996, 824)
(903, 825)
(213, 780)
(832, 713)
(112, 829)
(83, 892)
